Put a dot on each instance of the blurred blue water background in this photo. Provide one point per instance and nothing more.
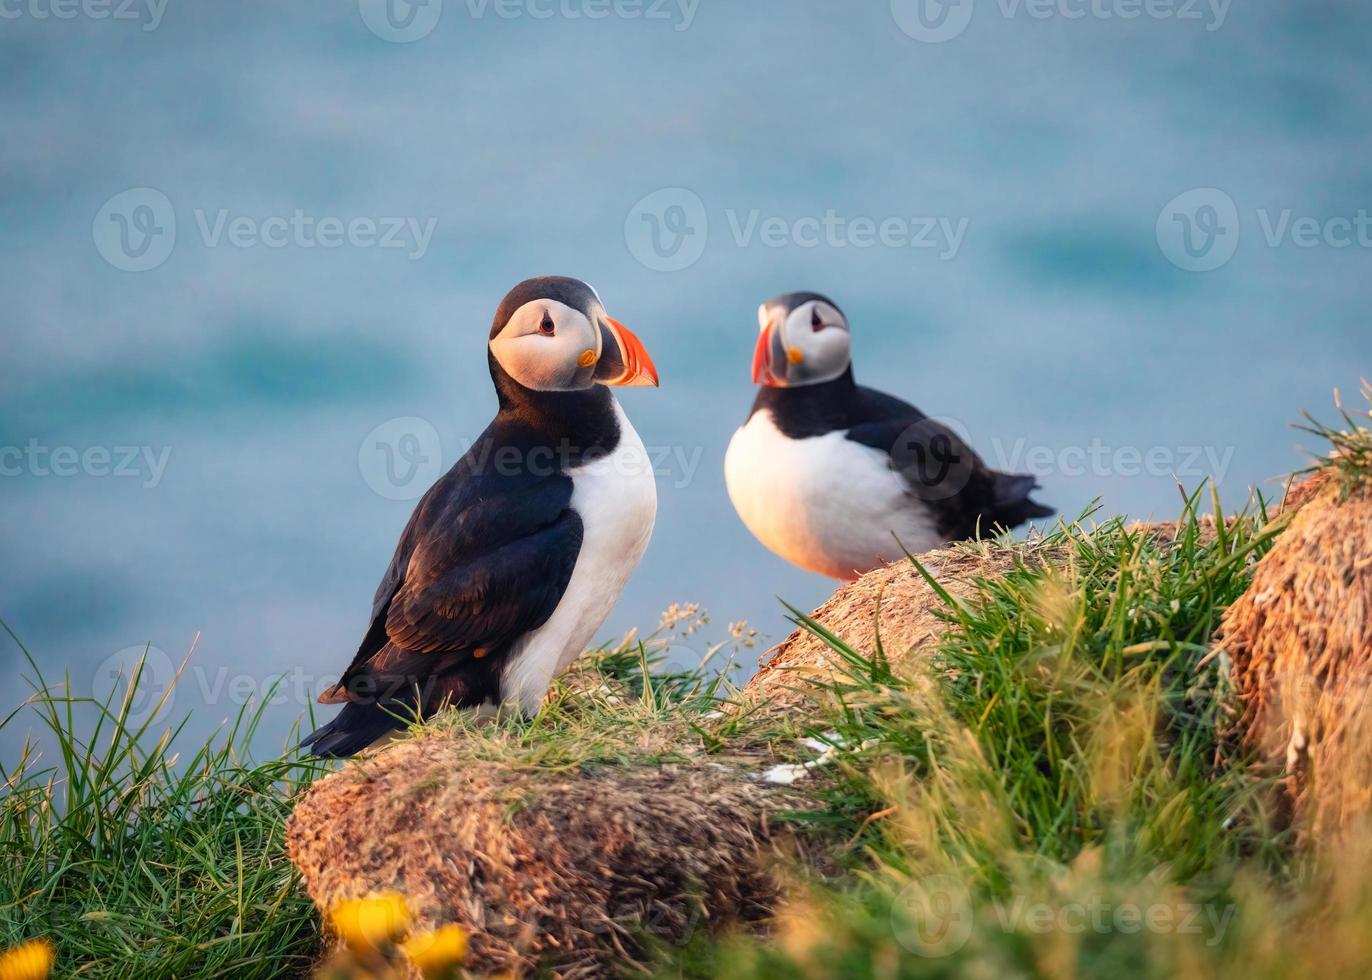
(1058, 333)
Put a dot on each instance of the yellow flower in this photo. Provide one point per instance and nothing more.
(367, 924)
(27, 961)
(437, 954)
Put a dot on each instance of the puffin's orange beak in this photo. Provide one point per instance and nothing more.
(762, 357)
(625, 360)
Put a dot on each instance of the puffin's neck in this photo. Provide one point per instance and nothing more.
(811, 410)
(574, 423)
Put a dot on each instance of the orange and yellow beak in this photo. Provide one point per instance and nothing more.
(623, 358)
(764, 371)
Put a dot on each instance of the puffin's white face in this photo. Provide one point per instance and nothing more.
(807, 345)
(549, 346)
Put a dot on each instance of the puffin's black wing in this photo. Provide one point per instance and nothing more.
(962, 493)
(485, 559)
(493, 575)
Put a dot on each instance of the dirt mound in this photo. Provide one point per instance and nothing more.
(1300, 640)
(559, 869)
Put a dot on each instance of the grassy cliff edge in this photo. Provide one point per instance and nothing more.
(1012, 757)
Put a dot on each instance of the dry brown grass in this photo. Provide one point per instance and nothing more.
(562, 869)
(1300, 640)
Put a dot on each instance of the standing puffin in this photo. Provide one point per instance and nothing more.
(514, 558)
(837, 478)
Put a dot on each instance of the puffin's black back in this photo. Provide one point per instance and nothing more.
(928, 454)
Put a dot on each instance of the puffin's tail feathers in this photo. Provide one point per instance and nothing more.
(355, 728)
(1012, 506)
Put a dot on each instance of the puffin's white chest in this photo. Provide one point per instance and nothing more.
(616, 499)
(825, 503)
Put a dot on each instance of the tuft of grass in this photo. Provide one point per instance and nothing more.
(138, 861)
(1090, 690)
(625, 703)
(1351, 452)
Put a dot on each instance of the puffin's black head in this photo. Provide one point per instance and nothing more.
(804, 340)
(553, 334)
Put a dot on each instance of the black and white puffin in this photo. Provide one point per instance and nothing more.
(515, 557)
(837, 478)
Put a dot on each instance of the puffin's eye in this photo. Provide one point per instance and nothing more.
(546, 327)
(815, 322)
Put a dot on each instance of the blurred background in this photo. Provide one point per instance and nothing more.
(252, 251)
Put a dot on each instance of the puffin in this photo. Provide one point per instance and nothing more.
(514, 558)
(840, 479)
